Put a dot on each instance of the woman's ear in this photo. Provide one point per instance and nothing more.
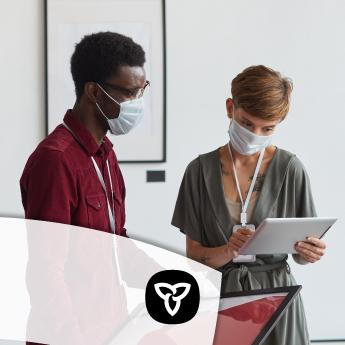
(229, 107)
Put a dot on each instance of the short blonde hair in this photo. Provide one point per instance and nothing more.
(262, 92)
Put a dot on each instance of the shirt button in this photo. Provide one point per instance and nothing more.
(99, 205)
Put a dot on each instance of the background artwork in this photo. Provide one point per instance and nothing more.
(67, 22)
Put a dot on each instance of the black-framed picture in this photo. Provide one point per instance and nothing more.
(67, 21)
(247, 317)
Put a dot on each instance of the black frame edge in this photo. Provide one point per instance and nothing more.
(291, 291)
(45, 9)
(46, 107)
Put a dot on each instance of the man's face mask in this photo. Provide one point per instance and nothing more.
(131, 113)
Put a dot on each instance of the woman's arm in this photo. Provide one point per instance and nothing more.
(312, 249)
(216, 257)
(213, 257)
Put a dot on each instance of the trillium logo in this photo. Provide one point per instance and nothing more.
(172, 296)
(173, 289)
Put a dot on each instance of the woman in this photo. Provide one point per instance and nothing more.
(244, 182)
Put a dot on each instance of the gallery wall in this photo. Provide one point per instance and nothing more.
(208, 43)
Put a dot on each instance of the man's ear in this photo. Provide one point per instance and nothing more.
(91, 91)
(229, 107)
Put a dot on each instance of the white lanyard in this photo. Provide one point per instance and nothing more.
(251, 188)
(111, 212)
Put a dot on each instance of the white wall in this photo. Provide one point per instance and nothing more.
(21, 94)
(208, 43)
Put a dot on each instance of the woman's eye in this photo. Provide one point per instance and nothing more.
(246, 124)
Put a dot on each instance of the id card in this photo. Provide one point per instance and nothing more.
(244, 258)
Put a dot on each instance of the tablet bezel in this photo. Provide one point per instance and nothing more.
(293, 220)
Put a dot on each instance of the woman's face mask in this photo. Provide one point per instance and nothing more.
(131, 113)
(246, 142)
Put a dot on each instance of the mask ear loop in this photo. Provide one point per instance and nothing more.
(233, 113)
(113, 99)
(231, 119)
(99, 108)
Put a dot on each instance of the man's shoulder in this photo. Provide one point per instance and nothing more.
(59, 140)
(52, 151)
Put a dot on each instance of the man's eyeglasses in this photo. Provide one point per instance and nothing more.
(128, 93)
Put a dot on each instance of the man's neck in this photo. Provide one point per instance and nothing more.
(91, 123)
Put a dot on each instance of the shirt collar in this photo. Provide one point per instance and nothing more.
(84, 137)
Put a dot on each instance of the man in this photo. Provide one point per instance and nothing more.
(73, 176)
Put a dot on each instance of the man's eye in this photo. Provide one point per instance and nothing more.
(269, 129)
(128, 93)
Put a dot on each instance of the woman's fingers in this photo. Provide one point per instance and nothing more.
(237, 243)
(310, 252)
(316, 242)
(309, 258)
(311, 248)
(246, 232)
(240, 237)
(243, 234)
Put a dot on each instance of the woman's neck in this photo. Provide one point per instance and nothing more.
(243, 160)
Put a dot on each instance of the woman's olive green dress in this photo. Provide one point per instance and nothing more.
(202, 214)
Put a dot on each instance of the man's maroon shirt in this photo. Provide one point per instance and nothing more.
(60, 184)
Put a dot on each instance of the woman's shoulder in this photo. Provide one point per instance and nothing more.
(202, 160)
(291, 160)
(208, 157)
(284, 155)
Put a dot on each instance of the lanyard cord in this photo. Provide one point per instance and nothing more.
(251, 188)
(111, 211)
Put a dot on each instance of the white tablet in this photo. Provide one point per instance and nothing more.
(279, 235)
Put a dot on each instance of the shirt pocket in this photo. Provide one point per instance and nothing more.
(97, 212)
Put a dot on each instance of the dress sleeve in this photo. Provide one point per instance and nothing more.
(304, 203)
(186, 215)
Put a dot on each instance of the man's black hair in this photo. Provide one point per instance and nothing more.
(98, 56)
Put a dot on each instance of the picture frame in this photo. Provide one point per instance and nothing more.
(66, 22)
(255, 311)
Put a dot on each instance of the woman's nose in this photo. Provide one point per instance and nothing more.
(257, 131)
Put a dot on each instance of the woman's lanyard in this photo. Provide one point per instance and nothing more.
(111, 212)
(251, 188)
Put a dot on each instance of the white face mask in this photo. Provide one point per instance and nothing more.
(244, 141)
(131, 113)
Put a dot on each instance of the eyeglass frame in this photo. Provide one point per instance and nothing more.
(128, 92)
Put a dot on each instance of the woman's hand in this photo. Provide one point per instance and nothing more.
(238, 239)
(311, 250)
